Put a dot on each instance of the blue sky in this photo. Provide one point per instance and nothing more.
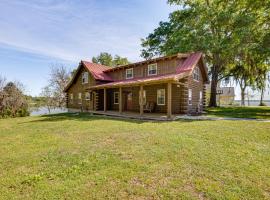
(36, 34)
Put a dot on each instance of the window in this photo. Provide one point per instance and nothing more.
(143, 100)
(161, 97)
(201, 98)
(87, 96)
(116, 98)
(196, 73)
(85, 77)
(79, 98)
(152, 69)
(71, 98)
(189, 96)
(129, 73)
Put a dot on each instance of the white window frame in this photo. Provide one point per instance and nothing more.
(149, 69)
(87, 96)
(189, 96)
(196, 73)
(201, 97)
(128, 71)
(85, 76)
(114, 94)
(79, 98)
(160, 94)
(71, 98)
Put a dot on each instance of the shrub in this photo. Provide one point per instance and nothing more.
(13, 102)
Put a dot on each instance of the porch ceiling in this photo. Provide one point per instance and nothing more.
(142, 81)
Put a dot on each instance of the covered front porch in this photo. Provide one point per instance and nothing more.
(159, 100)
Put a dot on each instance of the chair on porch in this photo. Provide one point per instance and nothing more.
(149, 106)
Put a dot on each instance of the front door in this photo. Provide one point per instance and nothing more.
(129, 101)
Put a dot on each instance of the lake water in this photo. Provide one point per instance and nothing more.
(44, 111)
(253, 102)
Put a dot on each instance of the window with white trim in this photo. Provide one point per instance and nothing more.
(116, 97)
(84, 77)
(161, 97)
(201, 98)
(129, 73)
(71, 98)
(196, 73)
(152, 69)
(87, 96)
(189, 96)
(79, 98)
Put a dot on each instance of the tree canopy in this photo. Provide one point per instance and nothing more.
(222, 30)
(107, 59)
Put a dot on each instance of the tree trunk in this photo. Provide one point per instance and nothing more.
(49, 109)
(262, 94)
(214, 81)
(243, 96)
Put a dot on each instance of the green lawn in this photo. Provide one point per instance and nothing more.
(241, 112)
(83, 157)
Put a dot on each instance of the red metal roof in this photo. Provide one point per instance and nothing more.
(97, 71)
(100, 72)
(189, 62)
(133, 81)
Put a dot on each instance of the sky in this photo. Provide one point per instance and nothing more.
(36, 34)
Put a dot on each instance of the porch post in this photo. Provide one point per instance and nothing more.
(105, 100)
(120, 100)
(169, 101)
(141, 99)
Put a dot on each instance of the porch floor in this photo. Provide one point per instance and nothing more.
(135, 115)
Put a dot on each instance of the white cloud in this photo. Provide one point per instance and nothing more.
(71, 31)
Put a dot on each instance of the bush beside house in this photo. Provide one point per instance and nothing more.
(13, 102)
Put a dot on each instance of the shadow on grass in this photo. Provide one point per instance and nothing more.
(241, 112)
(91, 117)
(79, 117)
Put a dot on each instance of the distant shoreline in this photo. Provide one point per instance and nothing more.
(253, 102)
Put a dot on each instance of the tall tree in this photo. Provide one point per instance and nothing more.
(119, 61)
(244, 74)
(59, 78)
(262, 77)
(214, 27)
(104, 59)
(107, 59)
(50, 101)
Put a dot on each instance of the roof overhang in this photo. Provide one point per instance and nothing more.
(73, 77)
(174, 78)
(82, 64)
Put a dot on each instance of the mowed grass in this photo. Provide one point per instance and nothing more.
(85, 157)
(262, 112)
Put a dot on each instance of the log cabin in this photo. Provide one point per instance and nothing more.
(170, 85)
